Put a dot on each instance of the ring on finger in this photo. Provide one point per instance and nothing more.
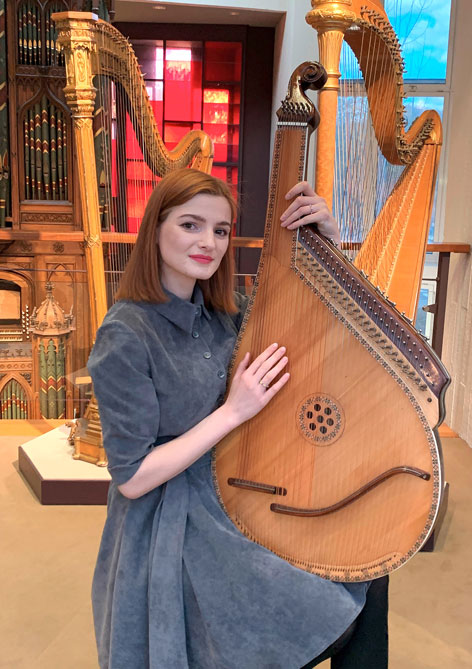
(266, 385)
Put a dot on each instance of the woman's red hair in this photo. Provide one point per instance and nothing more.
(141, 278)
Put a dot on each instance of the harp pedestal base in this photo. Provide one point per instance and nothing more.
(55, 477)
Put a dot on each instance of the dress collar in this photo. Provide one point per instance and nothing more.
(183, 312)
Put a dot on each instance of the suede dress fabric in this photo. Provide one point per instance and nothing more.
(177, 585)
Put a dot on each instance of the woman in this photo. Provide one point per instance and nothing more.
(177, 585)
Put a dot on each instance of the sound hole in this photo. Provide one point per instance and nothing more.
(321, 419)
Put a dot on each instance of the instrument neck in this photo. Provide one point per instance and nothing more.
(289, 166)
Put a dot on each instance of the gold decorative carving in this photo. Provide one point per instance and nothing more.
(330, 43)
(93, 240)
(27, 217)
(328, 15)
(24, 265)
(15, 364)
(81, 67)
(81, 123)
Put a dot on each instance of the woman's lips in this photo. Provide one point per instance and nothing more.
(202, 259)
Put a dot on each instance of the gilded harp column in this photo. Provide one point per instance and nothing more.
(330, 20)
(76, 39)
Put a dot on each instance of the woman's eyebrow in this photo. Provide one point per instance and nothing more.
(202, 219)
(195, 216)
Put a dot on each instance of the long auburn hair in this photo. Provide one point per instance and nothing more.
(141, 279)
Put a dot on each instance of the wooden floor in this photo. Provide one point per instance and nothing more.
(47, 558)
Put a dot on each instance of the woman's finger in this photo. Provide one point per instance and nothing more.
(275, 387)
(267, 364)
(302, 206)
(241, 368)
(261, 358)
(298, 203)
(313, 211)
(302, 187)
(267, 378)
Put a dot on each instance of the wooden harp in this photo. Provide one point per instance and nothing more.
(103, 74)
(341, 473)
(362, 135)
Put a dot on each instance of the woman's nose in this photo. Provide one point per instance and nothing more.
(207, 239)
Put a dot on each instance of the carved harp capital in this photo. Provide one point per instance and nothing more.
(76, 38)
(331, 20)
(328, 15)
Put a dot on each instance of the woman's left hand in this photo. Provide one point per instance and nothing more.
(308, 207)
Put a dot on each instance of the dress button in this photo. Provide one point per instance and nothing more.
(221, 374)
(207, 355)
(198, 311)
(195, 334)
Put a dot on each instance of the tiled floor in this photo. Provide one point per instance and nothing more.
(47, 556)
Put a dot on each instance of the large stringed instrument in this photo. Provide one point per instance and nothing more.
(378, 174)
(341, 473)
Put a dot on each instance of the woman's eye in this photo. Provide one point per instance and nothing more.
(222, 232)
(188, 225)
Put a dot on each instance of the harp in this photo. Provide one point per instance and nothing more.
(341, 473)
(356, 159)
(103, 74)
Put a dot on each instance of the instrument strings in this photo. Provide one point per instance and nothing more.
(125, 180)
(364, 178)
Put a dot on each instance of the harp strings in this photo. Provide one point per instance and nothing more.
(128, 180)
(132, 148)
(363, 178)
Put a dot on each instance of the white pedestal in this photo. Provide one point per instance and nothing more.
(56, 478)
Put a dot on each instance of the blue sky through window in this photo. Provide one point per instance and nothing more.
(422, 27)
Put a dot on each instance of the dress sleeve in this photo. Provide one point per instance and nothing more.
(127, 399)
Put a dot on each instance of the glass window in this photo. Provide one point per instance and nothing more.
(183, 81)
(150, 55)
(191, 85)
(223, 61)
(422, 26)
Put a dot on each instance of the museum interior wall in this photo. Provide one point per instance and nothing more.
(457, 353)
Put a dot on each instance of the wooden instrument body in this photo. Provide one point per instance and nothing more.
(364, 395)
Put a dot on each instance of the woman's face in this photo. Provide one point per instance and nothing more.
(192, 241)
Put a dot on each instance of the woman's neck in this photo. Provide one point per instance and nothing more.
(180, 288)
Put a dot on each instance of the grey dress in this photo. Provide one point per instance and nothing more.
(177, 586)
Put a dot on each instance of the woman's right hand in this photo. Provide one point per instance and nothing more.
(253, 384)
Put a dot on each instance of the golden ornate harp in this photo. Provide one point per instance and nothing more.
(391, 227)
(102, 67)
(106, 93)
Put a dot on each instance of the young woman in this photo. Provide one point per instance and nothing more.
(177, 586)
